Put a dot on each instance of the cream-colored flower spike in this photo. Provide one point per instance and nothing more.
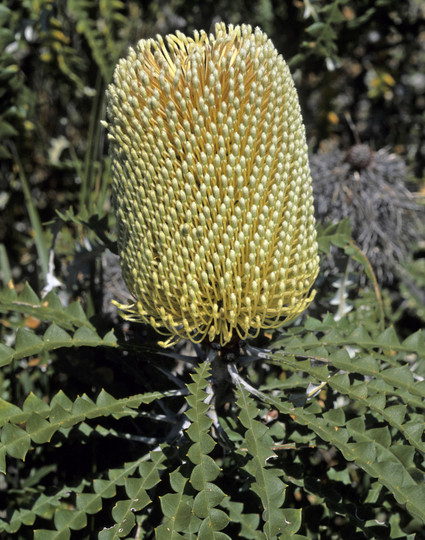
(211, 185)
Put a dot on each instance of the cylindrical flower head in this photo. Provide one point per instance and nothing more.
(211, 185)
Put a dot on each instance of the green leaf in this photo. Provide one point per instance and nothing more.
(136, 490)
(35, 404)
(28, 296)
(123, 511)
(338, 234)
(27, 343)
(124, 517)
(40, 430)
(396, 413)
(90, 503)
(70, 519)
(292, 520)
(105, 488)
(150, 473)
(206, 471)
(415, 342)
(61, 399)
(405, 454)
(210, 496)
(76, 313)
(55, 337)
(16, 441)
(177, 507)
(389, 338)
(268, 485)
(86, 337)
(216, 521)
(43, 506)
(83, 406)
(48, 309)
(10, 412)
(110, 339)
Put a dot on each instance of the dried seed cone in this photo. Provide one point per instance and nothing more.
(211, 185)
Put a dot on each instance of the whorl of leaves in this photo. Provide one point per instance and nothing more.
(326, 394)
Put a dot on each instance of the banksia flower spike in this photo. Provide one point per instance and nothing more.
(211, 185)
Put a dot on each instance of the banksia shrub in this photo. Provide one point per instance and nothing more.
(211, 185)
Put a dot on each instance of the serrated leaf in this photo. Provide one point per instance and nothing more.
(204, 446)
(135, 488)
(110, 339)
(405, 454)
(76, 312)
(380, 435)
(28, 296)
(396, 413)
(389, 338)
(415, 342)
(60, 417)
(177, 481)
(150, 474)
(124, 518)
(399, 377)
(86, 337)
(360, 336)
(61, 399)
(52, 301)
(292, 519)
(378, 402)
(70, 519)
(216, 521)
(39, 429)
(16, 441)
(105, 488)
(178, 508)
(90, 503)
(8, 412)
(398, 475)
(56, 337)
(367, 364)
(43, 506)
(104, 399)
(249, 522)
(268, 486)
(48, 309)
(18, 518)
(209, 497)
(206, 471)
(35, 404)
(27, 343)
(415, 495)
(415, 429)
(83, 406)
(335, 417)
(359, 390)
